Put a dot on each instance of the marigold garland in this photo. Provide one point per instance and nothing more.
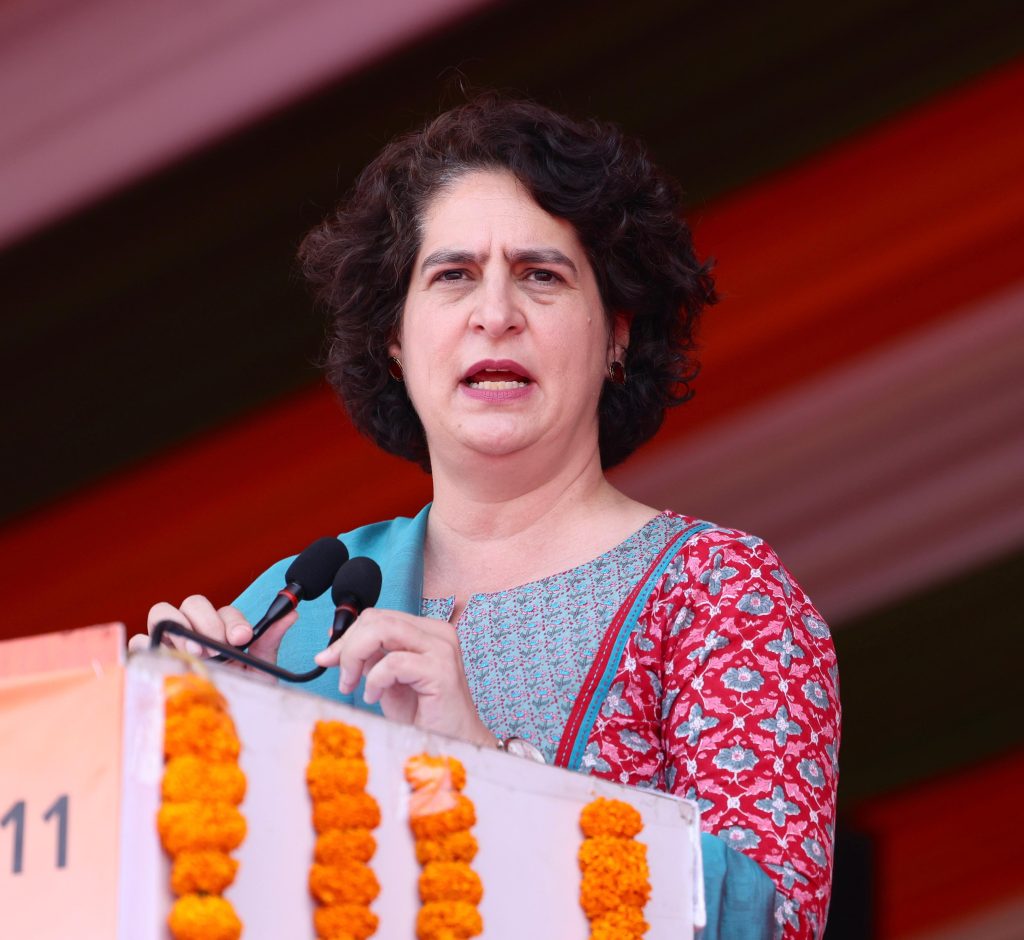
(199, 821)
(616, 881)
(340, 878)
(440, 818)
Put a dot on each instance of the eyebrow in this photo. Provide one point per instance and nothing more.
(519, 256)
(447, 256)
(542, 256)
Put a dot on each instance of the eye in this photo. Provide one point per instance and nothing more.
(451, 275)
(544, 276)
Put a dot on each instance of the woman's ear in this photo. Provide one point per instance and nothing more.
(618, 341)
(395, 348)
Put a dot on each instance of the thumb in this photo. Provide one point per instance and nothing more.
(268, 645)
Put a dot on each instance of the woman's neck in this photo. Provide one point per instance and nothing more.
(506, 524)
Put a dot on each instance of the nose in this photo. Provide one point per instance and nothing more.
(498, 309)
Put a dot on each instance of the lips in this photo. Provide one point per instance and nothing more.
(497, 375)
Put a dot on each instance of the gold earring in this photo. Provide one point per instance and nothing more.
(395, 369)
(617, 372)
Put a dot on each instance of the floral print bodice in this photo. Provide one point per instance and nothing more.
(527, 650)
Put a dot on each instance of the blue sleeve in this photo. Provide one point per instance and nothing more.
(738, 895)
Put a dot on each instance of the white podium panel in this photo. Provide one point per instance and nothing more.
(527, 823)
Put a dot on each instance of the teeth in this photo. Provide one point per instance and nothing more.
(497, 386)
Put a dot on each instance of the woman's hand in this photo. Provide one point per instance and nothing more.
(413, 667)
(226, 624)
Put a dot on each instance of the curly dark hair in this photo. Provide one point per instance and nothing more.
(626, 212)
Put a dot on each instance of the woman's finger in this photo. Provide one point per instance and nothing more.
(204, 619)
(226, 625)
(441, 629)
(330, 656)
(237, 630)
(426, 689)
(398, 668)
(269, 644)
(371, 638)
(140, 641)
(165, 611)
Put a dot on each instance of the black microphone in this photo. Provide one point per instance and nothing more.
(306, 579)
(356, 587)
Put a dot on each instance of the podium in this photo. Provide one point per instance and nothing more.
(81, 761)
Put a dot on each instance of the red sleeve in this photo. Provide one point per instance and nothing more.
(727, 694)
(750, 714)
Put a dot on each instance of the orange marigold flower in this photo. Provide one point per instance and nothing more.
(603, 817)
(184, 691)
(352, 811)
(197, 826)
(623, 852)
(345, 883)
(203, 731)
(606, 888)
(455, 847)
(205, 872)
(632, 878)
(425, 770)
(448, 920)
(328, 776)
(189, 778)
(626, 923)
(342, 845)
(598, 895)
(344, 922)
(203, 917)
(450, 881)
(336, 739)
(435, 826)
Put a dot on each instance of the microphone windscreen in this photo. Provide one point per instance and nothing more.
(316, 566)
(359, 578)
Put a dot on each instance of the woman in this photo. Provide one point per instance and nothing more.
(513, 298)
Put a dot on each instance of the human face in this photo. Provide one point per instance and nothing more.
(504, 341)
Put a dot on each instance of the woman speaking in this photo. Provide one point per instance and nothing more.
(513, 297)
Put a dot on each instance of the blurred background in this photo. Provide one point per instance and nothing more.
(856, 169)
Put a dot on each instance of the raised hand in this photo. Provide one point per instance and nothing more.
(413, 667)
(226, 624)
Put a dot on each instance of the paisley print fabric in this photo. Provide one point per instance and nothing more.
(726, 693)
